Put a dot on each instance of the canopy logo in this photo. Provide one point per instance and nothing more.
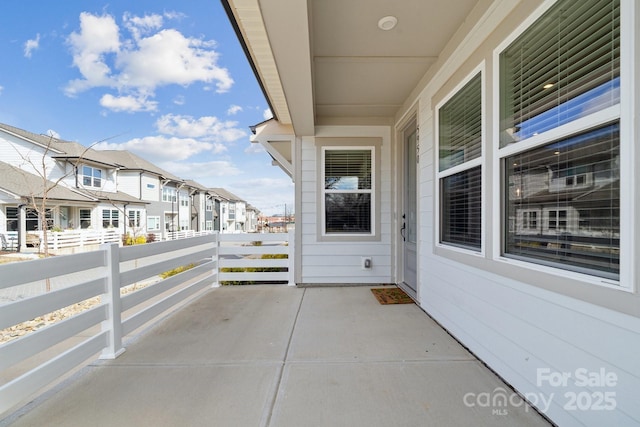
(578, 390)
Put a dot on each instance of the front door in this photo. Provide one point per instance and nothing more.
(409, 221)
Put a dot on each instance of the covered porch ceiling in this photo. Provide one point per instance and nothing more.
(328, 61)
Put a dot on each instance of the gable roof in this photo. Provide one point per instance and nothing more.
(226, 195)
(60, 149)
(130, 161)
(25, 185)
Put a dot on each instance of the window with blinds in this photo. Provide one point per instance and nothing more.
(564, 199)
(348, 190)
(562, 193)
(459, 166)
(564, 67)
(461, 207)
(460, 130)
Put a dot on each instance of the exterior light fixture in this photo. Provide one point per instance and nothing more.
(387, 23)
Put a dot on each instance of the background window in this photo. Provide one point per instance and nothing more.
(460, 171)
(169, 194)
(153, 223)
(91, 177)
(85, 218)
(348, 190)
(110, 218)
(135, 218)
(12, 219)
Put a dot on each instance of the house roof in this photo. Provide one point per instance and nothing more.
(226, 195)
(60, 148)
(25, 185)
(327, 61)
(118, 197)
(197, 185)
(594, 197)
(128, 160)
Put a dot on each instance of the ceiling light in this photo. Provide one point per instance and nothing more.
(387, 23)
(547, 86)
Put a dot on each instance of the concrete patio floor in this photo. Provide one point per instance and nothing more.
(282, 357)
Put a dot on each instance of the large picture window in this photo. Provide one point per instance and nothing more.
(565, 200)
(459, 165)
(558, 83)
(348, 190)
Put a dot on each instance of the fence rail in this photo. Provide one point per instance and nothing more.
(104, 273)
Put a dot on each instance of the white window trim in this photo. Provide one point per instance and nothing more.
(622, 112)
(82, 176)
(480, 161)
(372, 191)
(157, 219)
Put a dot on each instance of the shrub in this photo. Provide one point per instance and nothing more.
(151, 238)
(129, 240)
(255, 270)
(177, 270)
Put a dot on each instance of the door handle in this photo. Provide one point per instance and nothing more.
(404, 226)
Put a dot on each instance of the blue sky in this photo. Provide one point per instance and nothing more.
(165, 80)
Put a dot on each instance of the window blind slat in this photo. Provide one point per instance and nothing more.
(574, 49)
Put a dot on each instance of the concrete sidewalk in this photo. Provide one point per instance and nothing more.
(284, 357)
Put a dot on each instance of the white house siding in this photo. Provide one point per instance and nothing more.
(27, 156)
(344, 258)
(151, 187)
(129, 182)
(515, 327)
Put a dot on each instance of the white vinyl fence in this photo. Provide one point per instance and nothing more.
(104, 273)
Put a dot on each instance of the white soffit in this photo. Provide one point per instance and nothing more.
(249, 19)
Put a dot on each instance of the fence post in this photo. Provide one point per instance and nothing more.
(113, 324)
(291, 257)
(216, 259)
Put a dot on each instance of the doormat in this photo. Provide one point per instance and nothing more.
(391, 296)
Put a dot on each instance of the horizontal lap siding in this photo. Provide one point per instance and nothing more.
(340, 262)
(516, 328)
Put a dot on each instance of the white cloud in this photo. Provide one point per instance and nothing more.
(207, 127)
(168, 57)
(160, 148)
(98, 36)
(254, 148)
(151, 58)
(1, 89)
(140, 25)
(234, 109)
(269, 195)
(267, 114)
(179, 100)
(31, 45)
(53, 133)
(200, 171)
(128, 103)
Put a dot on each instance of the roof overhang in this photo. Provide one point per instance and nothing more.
(279, 141)
(275, 36)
